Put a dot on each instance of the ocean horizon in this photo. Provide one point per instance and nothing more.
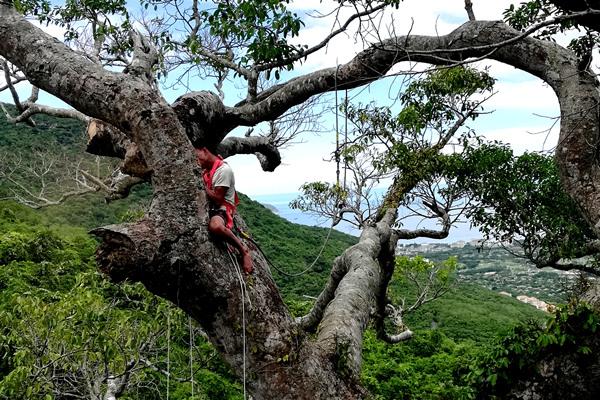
(280, 205)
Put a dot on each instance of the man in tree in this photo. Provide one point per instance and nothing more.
(220, 189)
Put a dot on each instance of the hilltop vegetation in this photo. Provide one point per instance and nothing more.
(51, 291)
(48, 270)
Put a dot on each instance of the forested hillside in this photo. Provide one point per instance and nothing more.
(65, 327)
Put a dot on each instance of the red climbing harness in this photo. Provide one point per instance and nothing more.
(208, 179)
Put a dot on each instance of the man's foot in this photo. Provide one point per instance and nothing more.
(247, 262)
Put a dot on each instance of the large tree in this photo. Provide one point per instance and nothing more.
(170, 250)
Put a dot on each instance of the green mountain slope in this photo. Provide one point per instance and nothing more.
(290, 247)
(447, 332)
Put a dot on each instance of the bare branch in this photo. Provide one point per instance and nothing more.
(10, 84)
(397, 321)
(570, 265)
(145, 57)
(368, 11)
(47, 180)
(469, 8)
(30, 109)
(13, 82)
(227, 62)
(266, 152)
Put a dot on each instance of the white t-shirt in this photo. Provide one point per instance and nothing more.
(224, 177)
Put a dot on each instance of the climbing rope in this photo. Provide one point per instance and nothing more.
(168, 351)
(292, 275)
(346, 137)
(341, 189)
(244, 295)
(337, 129)
(191, 354)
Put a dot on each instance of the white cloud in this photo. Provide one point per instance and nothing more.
(301, 163)
(51, 29)
(526, 138)
(532, 95)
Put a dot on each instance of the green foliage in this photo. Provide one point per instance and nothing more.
(405, 145)
(429, 366)
(41, 246)
(315, 194)
(246, 32)
(420, 267)
(50, 133)
(520, 198)
(263, 25)
(449, 334)
(79, 331)
(570, 331)
(533, 12)
(430, 100)
(73, 14)
(62, 323)
(428, 103)
(466, 312)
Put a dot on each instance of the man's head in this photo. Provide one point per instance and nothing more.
(204, 157)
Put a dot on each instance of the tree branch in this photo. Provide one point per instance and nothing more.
(145, 57)
(266, 152)
(469, 8)
(442, 213)
(15, 95)
(569, 265)
(34, 108)
(346, 316)
(323, 43)
(581, 6)
(396, 314)
(472, 39)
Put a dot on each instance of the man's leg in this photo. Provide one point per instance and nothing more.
(217, 227)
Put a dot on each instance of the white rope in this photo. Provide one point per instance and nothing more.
(191, 354)
(168, 351)
(346, 138)
(337, 129)
(305, 270)
(244, 295)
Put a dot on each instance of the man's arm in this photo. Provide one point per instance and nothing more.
(217, 194)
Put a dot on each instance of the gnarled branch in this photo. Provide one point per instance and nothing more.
(266, 152)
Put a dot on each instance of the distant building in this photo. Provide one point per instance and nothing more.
(537, 303)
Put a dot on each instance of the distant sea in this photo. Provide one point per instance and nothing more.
(279, 204)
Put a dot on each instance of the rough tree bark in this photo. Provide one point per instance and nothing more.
(170, 250)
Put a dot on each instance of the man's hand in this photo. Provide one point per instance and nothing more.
(217, 194)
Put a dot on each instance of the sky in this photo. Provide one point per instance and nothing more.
(523, 106)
